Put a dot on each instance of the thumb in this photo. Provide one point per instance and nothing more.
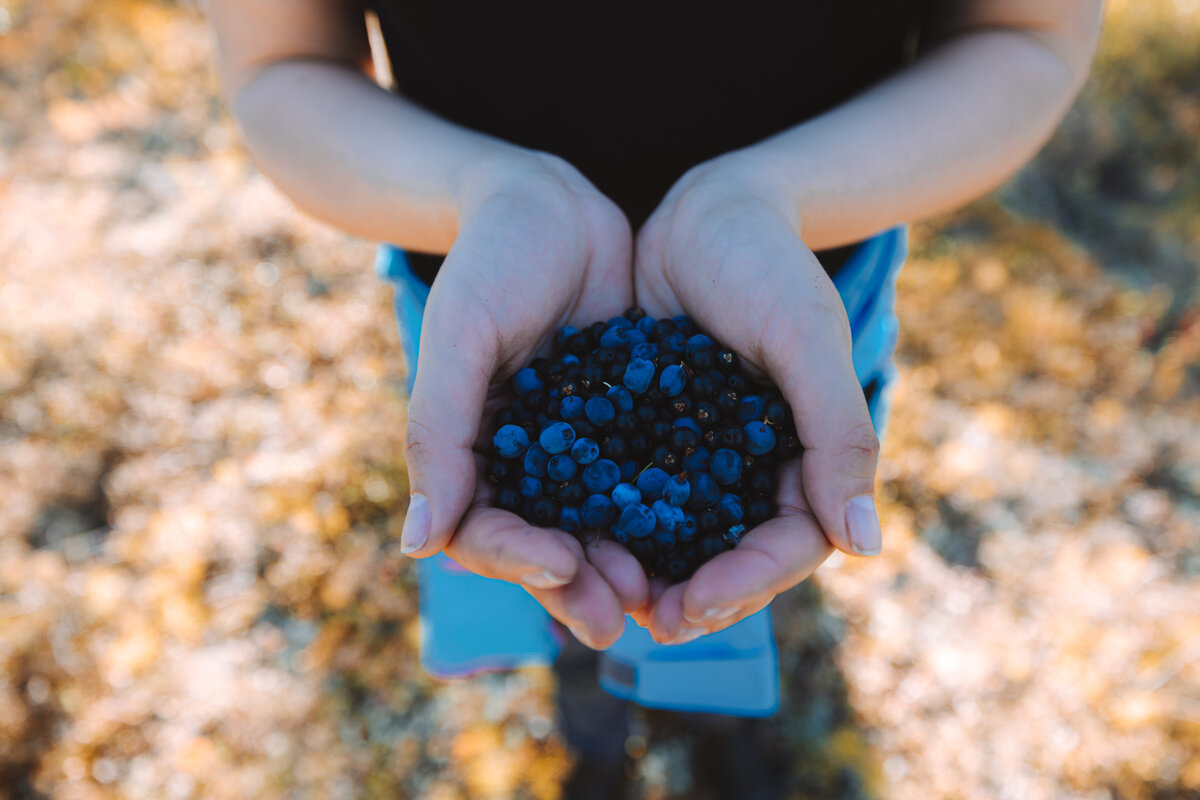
(840, 446)
(455, 365)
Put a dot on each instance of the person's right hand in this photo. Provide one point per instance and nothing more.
(538, 248)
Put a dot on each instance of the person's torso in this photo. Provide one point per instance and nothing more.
(634, 94)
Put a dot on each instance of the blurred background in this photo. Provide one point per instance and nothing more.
(201, 480)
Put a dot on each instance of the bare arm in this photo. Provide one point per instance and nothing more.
(956, 124)
(338, 145)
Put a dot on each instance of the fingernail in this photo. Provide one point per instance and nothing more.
(582, 637)
(862, 520)
(712, 615)
(416, 524)
(544, 580)
(688, 635)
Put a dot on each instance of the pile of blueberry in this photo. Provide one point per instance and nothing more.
(648, 429)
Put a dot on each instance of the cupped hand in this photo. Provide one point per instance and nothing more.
(722, 248)
(538, 248)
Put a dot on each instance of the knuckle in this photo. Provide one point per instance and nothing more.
(861, 444)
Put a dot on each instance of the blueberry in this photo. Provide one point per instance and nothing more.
(625, 493)
(597, 511)
(689, 528)
(726, 466)
(677, 490)
(664, 539)
(511, 441)
(646, 326)
(619, 322)
(600, 411)
(645, 350)
(760, 438)
(629, 470)
(526, 380)
(530, 487)
(669, 517)
(585, 451)
(638, 375)
(571, 493)
(705, 491)
(683, 440)
(707, 415)
(673, 380)
(569, 519)
(616, 338)
(571, 407)
(621, 399)
(601, 476)
(651, 482)
(735, 534)
(636, 521)
(545, 511)
(557, 437)
(689, 423)
(564, 333)
(698, 342)
(729, 509)
(536, 459)
(561, 468)
(752, 408)
(697, 460)
(673, 345)
(508, 499)
(684, 323)
(708, 521)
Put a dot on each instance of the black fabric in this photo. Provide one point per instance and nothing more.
(634, 94)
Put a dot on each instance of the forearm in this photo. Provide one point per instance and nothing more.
(363, 159)
(948, 129)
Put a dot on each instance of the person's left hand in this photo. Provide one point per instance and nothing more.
(722, 247)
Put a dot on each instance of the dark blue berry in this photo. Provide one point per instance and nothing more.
(561, 467)
(651, 482)
(511, 441)
(760, 438)
(677, 490)
(526, 380)
(752, 407)
(705, 491)
(601, 476)
(629, 470)
(569, 519)
(636, 521)
(624, 494)
(600, 411)
(530, 487)
(585, 451)
(638, 375)
(597, 511)
(669, 517)
(557, 437)
(673, 380)
(729, 509)
(621, 399)
(726, 466)
(536, 460)
(697, 460)
(570, 407)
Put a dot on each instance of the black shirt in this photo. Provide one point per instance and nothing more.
(634, 94)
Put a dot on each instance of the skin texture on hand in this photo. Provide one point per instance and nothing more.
(539, 248)
(718, 250)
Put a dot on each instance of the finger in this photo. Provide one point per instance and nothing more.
(819, 381)
(771, 558)
(499, 544)
(642, 615)
(457, 358)
(587, 606)
(622, 571)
